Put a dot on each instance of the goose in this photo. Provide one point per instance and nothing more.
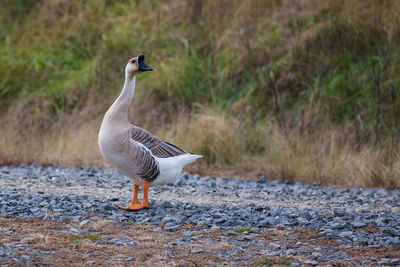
(144, 158)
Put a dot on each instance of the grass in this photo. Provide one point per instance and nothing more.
(303, 92)
(75, 238)
(312, 234)
(245, 229)
(88, 237)
(283, 261)
(128, 222)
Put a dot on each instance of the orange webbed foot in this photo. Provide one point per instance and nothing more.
(146, 203)
(136, 206)
(133, 204)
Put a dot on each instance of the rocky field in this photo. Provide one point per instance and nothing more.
(59, 216)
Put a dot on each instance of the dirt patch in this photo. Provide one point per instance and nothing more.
(105, 243)
(370, 229)
(306, 236)
(379, 252)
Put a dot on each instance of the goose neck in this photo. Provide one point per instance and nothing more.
(121, 105)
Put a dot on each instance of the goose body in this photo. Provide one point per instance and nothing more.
(138, 154)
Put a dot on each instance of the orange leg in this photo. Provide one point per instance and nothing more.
(135, 204)
(145, 201)
(135, 194)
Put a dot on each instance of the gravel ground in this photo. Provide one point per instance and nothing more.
(293, 223)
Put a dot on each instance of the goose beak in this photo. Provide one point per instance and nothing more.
(142, 65)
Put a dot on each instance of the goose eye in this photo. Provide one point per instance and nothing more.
(133, 61)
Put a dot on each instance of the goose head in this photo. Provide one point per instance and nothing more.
(135, 66)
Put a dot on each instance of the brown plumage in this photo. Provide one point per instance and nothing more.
(146, 166)
(157, 147)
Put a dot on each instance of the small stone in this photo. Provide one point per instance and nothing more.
(346, 234)
(3, 212)
(90, 262)
(262, 180)
(301, 220)
(291, 252)
(220, 220)
(384, 261)
(25, 258)
(167, 254)
(170, 227)
(196, 250)
(83, 223)
(382, 222)
(358, 224)
(214, 229)
(193, 220)
(316, 254)
(244, 238)
(173, 219)
(73, 229)
(129, 259)
(230, 232)
(187, 234)
(181, 263)
(274, 245)
(395, 261)
(336, 225)
(259, 208)
(263, 223)
(166, 204)
(311, 262)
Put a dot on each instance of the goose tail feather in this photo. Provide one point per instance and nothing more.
(190, 158)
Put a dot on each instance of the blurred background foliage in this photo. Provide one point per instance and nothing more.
(295, 90)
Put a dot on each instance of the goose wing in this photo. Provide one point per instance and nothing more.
(145, 165)
(157, 147)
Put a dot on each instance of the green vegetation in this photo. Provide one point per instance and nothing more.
(283, 261)
(312, 234)
(128, 222)
(75, 238)
(304, 90)
(245, 229)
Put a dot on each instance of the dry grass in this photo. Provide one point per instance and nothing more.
(330, 157)
(65, 145)
(212, 135)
